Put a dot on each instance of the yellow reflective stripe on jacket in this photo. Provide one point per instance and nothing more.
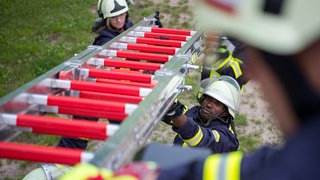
(219, 64)
(216, 135)
(233, 166)
(86, 139)
(235, 65)
(195, 140)
(230, 129)
(211, 167)
(222, 166)
(214, 73)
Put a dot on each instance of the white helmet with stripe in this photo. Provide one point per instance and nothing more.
(112, 8)
(294, 22)
(224, 89)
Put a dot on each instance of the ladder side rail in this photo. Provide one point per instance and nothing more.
(134, 131)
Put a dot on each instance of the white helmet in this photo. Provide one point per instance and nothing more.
(47, 172)
(224, 89)
(276, 26)
(112, 8)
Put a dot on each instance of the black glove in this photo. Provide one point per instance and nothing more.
(158, 22)
(175, 110)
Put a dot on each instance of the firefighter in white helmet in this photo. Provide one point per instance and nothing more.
(212, 123)
(114, 19)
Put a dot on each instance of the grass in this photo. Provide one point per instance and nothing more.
(35, 39)
(241, 120)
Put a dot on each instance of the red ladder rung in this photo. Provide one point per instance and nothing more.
(166, 36)
(152, 48)
(61, 126)
(161, 42)
(145, 78)
(110, 97)
(46, 154)
(132, 64)
(172, 31)
(112, 81)
(115, 116)
(81, 103)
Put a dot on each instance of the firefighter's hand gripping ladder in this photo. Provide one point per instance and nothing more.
(132, 80)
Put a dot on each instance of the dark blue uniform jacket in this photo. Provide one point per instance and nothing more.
(217, 135)
(297, 159)
(106, 34)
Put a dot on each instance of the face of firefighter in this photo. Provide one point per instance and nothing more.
(212, 108)
(118, 21)
(273, 92)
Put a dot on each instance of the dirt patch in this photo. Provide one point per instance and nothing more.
(260, 120)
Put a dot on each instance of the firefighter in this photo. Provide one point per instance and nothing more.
(114, 19)
(212, 123)
(284, 58)
(225, 55)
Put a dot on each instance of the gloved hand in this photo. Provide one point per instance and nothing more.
(158, 22)
(175, 110)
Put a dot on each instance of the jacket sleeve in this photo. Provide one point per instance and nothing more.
(218, 140)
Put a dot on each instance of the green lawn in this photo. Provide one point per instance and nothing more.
(35, 36)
